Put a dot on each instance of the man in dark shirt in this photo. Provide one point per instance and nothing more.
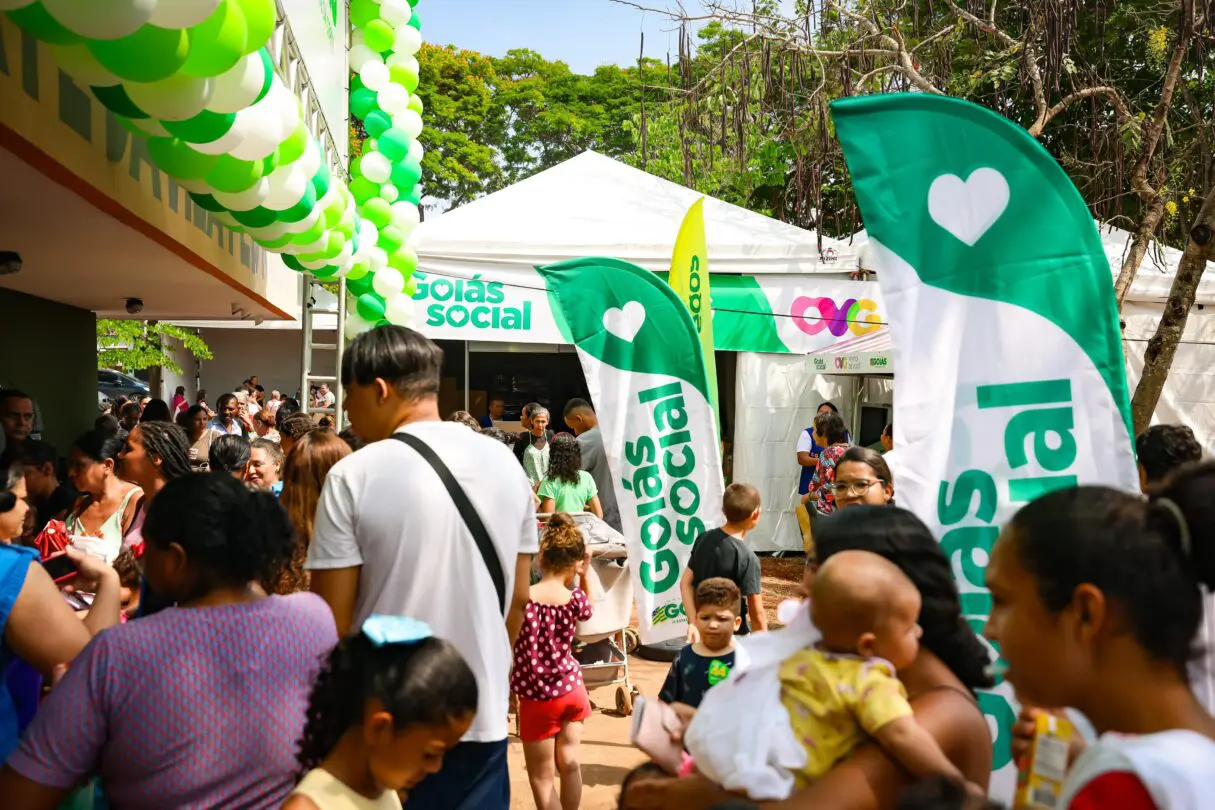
(722, 553)
(50, 497)
(708, 661)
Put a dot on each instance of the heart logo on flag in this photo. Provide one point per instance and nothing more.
(625, 322)
(968, 208)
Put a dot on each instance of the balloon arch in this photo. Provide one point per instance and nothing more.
(196, 78)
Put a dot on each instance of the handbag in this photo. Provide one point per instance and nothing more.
(489, 555)
(53, 539)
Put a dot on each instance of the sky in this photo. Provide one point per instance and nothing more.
(582, 33)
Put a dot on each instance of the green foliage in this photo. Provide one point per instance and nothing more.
(137, 345)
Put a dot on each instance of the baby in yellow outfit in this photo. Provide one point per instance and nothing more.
(846, 688)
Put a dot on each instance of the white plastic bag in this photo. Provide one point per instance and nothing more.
(741, 737)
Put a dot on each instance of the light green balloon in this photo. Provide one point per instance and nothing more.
(405, 260)
(415, 104)
(148, 55)
(411, 287)
(276, 244)
(333, 214)
(357, 271)
(260, 19)
(399, 74)
(231, 175)
(292, 149)
(311, 235)
(378, 211)
(363, 12)
(205, 127)
(177, 158)
(391, 239)
(379, 36)
(363, 189)
(218, 42)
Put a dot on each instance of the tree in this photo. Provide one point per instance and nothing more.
(138, 345)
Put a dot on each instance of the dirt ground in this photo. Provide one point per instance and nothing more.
(607, 754)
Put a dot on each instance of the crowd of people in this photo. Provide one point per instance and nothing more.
(242, 608)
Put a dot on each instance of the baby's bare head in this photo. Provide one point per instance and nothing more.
(858, 594)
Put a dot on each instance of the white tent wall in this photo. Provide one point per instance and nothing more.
(777, 395)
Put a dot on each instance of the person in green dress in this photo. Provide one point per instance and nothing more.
(566, 486)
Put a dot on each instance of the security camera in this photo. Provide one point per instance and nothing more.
(134, 306)
(10, 262)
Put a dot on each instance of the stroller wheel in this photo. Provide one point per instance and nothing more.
(624, 702)
(631, 641)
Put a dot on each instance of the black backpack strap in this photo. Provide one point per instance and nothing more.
(467, 511)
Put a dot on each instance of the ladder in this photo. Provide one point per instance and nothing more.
(309, 377)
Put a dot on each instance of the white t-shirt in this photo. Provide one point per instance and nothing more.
(326, 399)
(1175, 768)
(384, 509)
(805, 441)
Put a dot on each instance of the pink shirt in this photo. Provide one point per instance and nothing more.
(545, 668)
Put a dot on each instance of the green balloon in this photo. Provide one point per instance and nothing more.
(258, 217)
(218, 42)
(370, 306)
(379, 36)
(356, 82)
(232, 175)
(411, 288)
(362, 102)
(276, 244)
(268, 67)
(302, 208)
(405, 260)
(205, 127)
(407, 173)
(415, 103)
(311, 235)
(363, 189)
(292, 149)
(363, 12)
(177, 158)
(391, 239)
(413, 3)
(328, 271)
(117, 101)
(206, 202)
(260, 18)
(148, 55)
(394, 145)
(377, 122)
(321, 180)
(415, 22)
(399, 74)
(360, 285)
(356, 272)
(414, 195)
(36, 21)
(378, 212)
(333, 217)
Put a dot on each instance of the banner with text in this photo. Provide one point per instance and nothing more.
(763, 313)
(646, 374)
(999, 298)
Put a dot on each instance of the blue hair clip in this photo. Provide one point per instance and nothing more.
(383, 630)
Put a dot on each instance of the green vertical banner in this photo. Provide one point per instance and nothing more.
(645, 370)
(1011, 380)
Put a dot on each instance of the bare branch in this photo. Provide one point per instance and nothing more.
(1109, 92)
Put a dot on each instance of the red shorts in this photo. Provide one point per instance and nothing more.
(542, 719)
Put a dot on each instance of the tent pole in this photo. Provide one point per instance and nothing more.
(466, 356)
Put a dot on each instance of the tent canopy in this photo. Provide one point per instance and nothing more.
(592, 205)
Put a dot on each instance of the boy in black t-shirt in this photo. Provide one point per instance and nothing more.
(722, 553)
(709, 660)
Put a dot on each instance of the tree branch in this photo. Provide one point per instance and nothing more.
(1114, 96)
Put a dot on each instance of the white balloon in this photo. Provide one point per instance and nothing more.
(261, 139)
(316, 264)
(197, 186)
(173, 99)
(181, 13)
(388, 282)
(355, 323)
(374, 75)
(405, 216)
(152, 127)
(225, 218)
(13, 5)
(245, 200)
(274, 230)
(369, 234)
(393, 99)
(399, 310)
(375, 167)
(342, 260)
(396, 12)
(389, 192)
(410, 121)
(230, 139)
(304, 224)
(101, 19)
(377, 259)
(78, 62)
(239, 87)
(288, 184)
(360, 56)
(416, 150)
(310, 161)
(409, 41)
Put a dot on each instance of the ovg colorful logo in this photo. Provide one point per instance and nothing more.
(670, 612)
(857, 315)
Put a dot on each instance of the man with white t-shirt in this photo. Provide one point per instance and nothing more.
(389, 539)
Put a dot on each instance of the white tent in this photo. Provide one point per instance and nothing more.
(592, 205)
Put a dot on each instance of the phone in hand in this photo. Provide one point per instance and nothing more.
(60, 567)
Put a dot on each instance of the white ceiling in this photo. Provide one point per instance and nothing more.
(79, 255)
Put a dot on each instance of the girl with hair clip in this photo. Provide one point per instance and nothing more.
(553, 703)
(1097, 599)
(390, 702)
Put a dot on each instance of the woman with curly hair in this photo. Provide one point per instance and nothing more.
(200, 705)
(567, 487)
(390, 702)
